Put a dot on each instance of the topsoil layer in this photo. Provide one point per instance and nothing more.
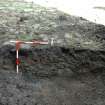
(53, 61)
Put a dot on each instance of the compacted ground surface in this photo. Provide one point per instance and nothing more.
(71, 72)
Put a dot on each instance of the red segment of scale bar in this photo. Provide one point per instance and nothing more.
(18, 45)
(17, 61)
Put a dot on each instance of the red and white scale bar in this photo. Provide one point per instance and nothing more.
(18, 43)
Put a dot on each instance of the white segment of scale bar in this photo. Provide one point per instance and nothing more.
(39, 42)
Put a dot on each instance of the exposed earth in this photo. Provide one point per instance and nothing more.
(71, 72)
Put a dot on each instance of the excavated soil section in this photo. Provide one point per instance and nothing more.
(70, 73)
(52, 76)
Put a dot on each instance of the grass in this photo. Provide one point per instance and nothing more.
(27, 37)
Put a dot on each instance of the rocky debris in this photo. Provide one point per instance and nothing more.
(44, 23)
